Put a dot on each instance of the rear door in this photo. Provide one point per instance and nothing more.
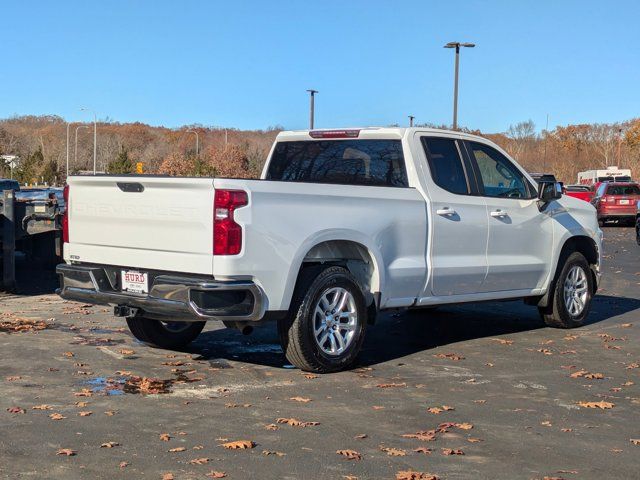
(459, 230)
(161, 223)
(520, 236)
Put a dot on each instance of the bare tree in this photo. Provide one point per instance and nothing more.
(521, 137)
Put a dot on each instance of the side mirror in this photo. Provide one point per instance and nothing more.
(549, 189)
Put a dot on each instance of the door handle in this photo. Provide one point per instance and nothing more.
(498, 213)
(446, 211)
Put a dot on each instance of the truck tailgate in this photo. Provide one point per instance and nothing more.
(156, 223)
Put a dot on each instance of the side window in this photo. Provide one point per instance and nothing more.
(499, 176)
(601, 189)
(445, 164)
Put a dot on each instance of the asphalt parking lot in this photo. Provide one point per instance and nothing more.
(465, 392)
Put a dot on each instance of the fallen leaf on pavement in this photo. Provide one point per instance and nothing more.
(602, 405)
(124, 464)
(110, 445)
(66, 451)
(165, 437)
(411, 475)
(41, 407)
(635, 441)
(57, 416)
(199, 461)
(214, 474)
(177, 449)
(391, 385)
(300, 399)
(16, 410)
(394, 452)
(450, 356)
(349, 454)
(450, 451)
(294, 422)
(84, 414)
(239, 444)
(424, 450)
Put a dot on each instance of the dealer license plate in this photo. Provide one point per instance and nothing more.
(135, 282)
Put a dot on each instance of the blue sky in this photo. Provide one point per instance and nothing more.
(247, 64)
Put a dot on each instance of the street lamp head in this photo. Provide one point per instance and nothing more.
(312, 91)
(459, 44)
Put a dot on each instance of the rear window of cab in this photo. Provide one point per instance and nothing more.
(377, 163)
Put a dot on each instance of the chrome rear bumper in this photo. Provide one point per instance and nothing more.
(170, 296)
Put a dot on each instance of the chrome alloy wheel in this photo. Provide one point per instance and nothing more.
(576, 290)
(335, 320)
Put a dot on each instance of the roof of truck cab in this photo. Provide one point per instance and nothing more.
(373, 133)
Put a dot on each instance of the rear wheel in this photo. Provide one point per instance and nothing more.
(169, 335)
(572, 294)
(325, 327)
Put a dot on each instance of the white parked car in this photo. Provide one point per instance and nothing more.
(342, 224)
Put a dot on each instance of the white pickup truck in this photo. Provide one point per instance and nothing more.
(342, 224)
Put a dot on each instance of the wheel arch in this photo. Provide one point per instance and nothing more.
(346, 248)
(583, 244)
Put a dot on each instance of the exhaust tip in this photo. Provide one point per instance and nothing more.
(247, 330)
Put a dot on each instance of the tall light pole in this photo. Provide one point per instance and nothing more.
(312, 96)
(411, 117)
(197, 141)
(457, 46)
(95, 137)
(75, 151)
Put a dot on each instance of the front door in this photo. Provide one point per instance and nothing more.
(520, 236)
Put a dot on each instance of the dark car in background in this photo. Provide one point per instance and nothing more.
(616, 201)
(8, 184)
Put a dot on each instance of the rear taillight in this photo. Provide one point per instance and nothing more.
(227, 234)
(607, 199)
(65, 217)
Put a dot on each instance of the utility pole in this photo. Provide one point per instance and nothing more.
(67, 171)
(95, 138)
(411, 117)
(75, 150)
(197, 141)
(546, 135)
(457, 46)
(312, 96)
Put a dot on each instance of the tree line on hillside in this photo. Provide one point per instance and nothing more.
(41, 144)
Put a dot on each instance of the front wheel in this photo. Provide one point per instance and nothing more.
(168, 335)
(571, 295)
(324, 329)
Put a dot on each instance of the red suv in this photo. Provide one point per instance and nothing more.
(616, 201)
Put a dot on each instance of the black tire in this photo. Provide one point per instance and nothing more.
(296, 330)
(601, 222)
(160, 335)
(638, 231)
(557, 314)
